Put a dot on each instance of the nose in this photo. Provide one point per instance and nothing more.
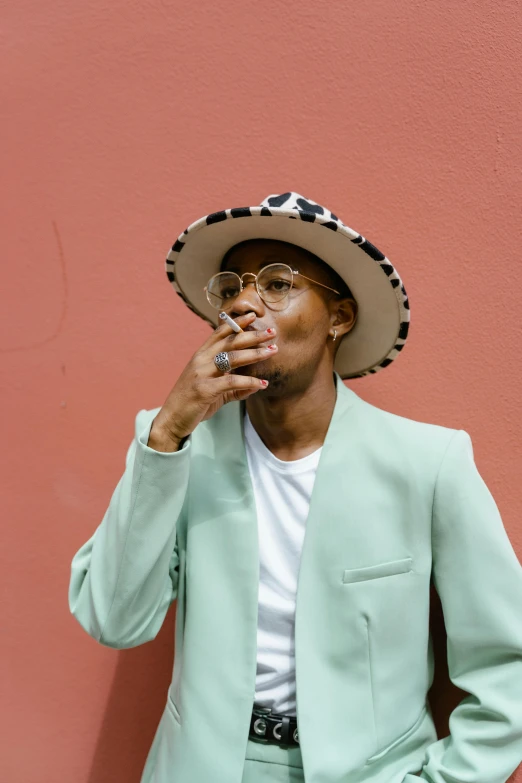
(248, 301)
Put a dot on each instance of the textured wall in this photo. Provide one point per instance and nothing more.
(128, 120)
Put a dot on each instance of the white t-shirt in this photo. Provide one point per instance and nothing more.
(282, 493)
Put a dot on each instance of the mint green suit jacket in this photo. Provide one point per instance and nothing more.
(396, 504)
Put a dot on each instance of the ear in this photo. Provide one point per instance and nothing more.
(343, 316)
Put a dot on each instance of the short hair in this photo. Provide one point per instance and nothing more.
(333, 277)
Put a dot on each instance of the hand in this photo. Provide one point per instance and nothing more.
(202, 389)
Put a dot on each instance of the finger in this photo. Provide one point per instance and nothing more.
(236, 395)
(234, 342)
(248, 356)
(224, 329)
(227, 384)
(249, 339)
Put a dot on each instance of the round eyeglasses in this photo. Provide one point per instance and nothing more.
(273, 283)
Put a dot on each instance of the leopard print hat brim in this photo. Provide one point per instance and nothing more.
(381, 328)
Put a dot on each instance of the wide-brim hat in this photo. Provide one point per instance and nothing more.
(381, 328)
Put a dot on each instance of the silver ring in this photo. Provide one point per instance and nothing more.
(221, 361)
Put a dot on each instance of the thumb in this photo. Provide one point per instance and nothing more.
(238, 394)
(230, 396)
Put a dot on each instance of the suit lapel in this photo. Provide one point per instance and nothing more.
(327, 510)
(328, 532)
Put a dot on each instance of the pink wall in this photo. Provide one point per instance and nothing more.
(126, 121)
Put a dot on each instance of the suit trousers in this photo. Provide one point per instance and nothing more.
(267, 762)
(270, 763)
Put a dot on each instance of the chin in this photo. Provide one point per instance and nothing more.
(257, 370)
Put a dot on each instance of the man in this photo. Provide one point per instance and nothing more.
(300, 528)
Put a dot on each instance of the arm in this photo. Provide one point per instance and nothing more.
(124, 578)
(479, 580)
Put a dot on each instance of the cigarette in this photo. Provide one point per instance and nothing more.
(230, 322)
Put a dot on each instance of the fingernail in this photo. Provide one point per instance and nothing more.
(265, 383)
(271, 347)
(270, 331)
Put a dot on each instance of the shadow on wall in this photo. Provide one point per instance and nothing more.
(443, 694)
(136, 701)
(139, 691)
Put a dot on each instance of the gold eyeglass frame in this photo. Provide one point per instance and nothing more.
(240, 278)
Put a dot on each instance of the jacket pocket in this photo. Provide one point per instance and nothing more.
(390, 568)
(402, 738)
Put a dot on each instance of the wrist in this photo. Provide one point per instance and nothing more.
(162, 440)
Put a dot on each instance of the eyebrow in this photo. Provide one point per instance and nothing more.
(276, 258)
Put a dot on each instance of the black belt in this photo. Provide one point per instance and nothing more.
(271, 727)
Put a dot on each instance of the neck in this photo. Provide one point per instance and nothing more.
(294, 426)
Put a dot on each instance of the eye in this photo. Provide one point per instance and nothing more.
(279, 285)
(230, 292)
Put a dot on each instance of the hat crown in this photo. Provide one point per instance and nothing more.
(295, 201)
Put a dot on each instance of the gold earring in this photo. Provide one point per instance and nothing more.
(335, 334)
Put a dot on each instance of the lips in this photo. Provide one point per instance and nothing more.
(258, 328)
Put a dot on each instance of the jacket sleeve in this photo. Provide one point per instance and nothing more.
(124, 578)
(479, 580)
